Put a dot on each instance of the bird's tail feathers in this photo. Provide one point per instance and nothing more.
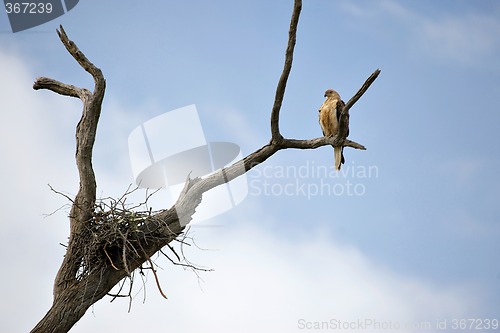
(339, 157)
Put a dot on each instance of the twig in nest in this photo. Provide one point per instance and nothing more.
(110, 260)
(118, 293)
(186, 265)
(124, 253)
(129, 295)
(156, 278)
(173, 250)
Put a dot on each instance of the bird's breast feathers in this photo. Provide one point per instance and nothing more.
(328, 117)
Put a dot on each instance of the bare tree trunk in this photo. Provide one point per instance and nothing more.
(72, 303)
(98, 256)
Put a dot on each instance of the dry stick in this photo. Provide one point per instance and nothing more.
(58, 87)
(173, 250)
(186, 265)
(280, 89)
(319, 142)
(130, 292)
(115, 296)
(60, 193)
(361, 91)
(82, 60)
(343, 131)
(124, 252)
(110, 260)
(156, 278)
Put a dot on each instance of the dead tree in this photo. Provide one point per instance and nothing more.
(103, 247)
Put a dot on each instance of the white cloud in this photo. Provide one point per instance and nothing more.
(263, 281)
(463, 171)
(237, 126)
(37, 148)
(463, 38)
(467, 39)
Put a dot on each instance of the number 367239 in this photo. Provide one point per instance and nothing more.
(28, 8)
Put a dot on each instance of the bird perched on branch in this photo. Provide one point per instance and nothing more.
(329, 120)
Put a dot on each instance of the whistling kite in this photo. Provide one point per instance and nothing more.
(329, 117)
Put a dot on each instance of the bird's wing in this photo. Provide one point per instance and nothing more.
(328, 117)
(340, 106)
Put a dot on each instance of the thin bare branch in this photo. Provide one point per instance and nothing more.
(59, 87)
(82, 61)
(319, 142)
(193, 267)
(280, 89)
(343, 131)
(110, 260)
(60, 193)
(361, 91)
(173, 251)
(156, 278)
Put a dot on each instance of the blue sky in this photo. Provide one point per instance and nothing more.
(419, 245)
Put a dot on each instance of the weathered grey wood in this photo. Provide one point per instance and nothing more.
(280, 89)
(75, 291)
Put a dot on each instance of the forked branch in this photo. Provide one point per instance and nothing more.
(76, 290)
(280, 89)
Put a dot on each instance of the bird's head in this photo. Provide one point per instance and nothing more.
(332, 93)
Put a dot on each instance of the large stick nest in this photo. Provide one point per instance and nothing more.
(114, 235)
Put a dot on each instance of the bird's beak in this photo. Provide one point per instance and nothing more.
(324, 95)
